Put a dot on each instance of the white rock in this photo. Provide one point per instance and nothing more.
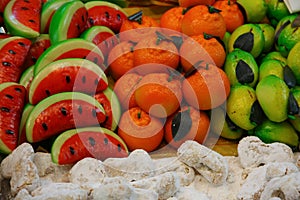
(166, 185)
(24, 176)
(297, 159)
(189, 193)
(23, 195)
(61, 191)
(257, 179)
(253, 152)
(24, 151)
(144, 194)
(136, 166)
(50, 171)
(87, 171)
(287, 187)
(208, 163)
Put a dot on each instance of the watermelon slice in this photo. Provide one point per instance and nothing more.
(39, 45)
(3, 4)
(110, 102)
(48, 9)
(102, 36)
(76, 144)
(26, 79)
(61, 112)
(71, 48)
(13, 51)
(69, 74)
(22, 131)
(22, 17)
(105, 14)
(12, 97)
(69, 21)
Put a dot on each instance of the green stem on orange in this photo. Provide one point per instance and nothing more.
(228, 2)
(212, 9)
(139, 115)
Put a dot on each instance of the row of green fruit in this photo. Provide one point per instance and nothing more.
(263, 68)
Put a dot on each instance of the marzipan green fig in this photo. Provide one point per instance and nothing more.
(273, 94)
(270, 132)
(241, 68)
(243, 108)
(248, 37)
(255, 10)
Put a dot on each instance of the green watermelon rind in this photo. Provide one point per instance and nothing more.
(115, 106)
(47, 102)
(56, 65)
(26, 76)
(63, 137)
(93, 31)
(92, 4)
(3, 148)
(26, 111)
(54, 51)
(48, 9)
(58, 28)
(15, 27)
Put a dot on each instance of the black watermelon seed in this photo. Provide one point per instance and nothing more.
(11, 52)
(119, 148)
(24, 8)
(80, 109)
(31, 20)
(91, 21)
(105, 141)
(72, 150)
(27, 1)
(45, 127)
(10, 132)
(21, 44)
(94, 113)
(83, 79)
(106, 15)
(47, 92)
(63, 111)
(34, 59)
(9, 96)
(78, 27)
(8, 64)
(118, 17)
(106, 43)
(68, 79)
(92, 141)
(18, 89)
(95, 60)
(82, 18)
(96, 82)
(5, 109)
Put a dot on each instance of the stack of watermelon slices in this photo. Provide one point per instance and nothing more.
(53, 80)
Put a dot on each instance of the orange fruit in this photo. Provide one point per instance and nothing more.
(139, 130)
(203, 19)
(155, 50)
(158, 94)
(187, 124)
(135, 30)
(188, 3)
(231, 13)
(202, 47)
(206, 87)
(172, 18)
(120, 59)
(124, 89)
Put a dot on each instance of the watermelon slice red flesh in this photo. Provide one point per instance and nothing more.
(12, 57)
(78, 23)
(105, 41)
(68, 79)
(64, 115)
(28, 13)
(104, 101)
(90, 144)
(106, 16)
(11, 107)
(3, 4)
(36, 49)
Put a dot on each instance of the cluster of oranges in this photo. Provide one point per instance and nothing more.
(168, 72)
